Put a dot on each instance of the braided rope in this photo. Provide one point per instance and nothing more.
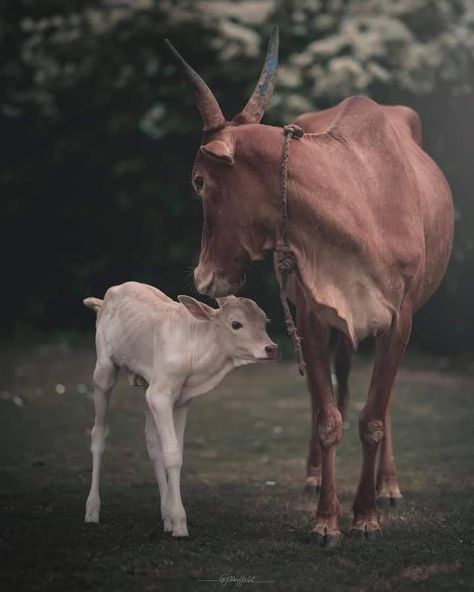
(286, 259)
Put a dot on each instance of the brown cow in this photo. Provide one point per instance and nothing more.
(371, 226)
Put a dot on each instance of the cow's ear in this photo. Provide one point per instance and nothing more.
(199, 310)
(219, 149)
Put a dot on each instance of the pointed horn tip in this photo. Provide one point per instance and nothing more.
(172, 49)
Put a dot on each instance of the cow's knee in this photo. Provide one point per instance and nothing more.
(329, 427)
(371, 429)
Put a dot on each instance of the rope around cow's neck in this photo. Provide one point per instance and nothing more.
(286, 259)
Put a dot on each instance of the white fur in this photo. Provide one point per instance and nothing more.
(180, 350)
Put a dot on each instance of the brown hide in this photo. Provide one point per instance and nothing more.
(371, 214)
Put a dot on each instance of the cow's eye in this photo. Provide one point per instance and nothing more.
(236, 325)
(198, 183)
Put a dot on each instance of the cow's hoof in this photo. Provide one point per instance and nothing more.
(328, 540)
(386, 502)
(369, 531)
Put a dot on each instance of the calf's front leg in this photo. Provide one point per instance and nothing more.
(161, 406)
(156, 456)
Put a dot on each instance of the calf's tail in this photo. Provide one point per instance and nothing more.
(94, 303)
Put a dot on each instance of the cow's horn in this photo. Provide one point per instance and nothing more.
(205, 101)
(258, 102)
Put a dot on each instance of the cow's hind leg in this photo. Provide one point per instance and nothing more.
(313, 462)
(342, 367)
(105, 376)
(388, 491)
(389, 351)
(327, 421)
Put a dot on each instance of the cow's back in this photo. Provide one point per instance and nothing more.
(405, 119)
(376, 211)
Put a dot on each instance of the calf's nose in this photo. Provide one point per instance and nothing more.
(272, 351)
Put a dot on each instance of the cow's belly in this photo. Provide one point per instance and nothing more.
(438, 222)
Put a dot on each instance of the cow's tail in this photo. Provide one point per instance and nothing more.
(94, 303)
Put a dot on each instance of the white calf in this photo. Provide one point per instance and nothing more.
(179, 350)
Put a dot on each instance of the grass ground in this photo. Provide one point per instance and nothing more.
(242, 485)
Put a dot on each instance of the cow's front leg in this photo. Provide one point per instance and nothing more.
(389, 351)
(388, 491)
(161, 406)
(328, 420)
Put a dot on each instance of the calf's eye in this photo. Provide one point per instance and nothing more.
(198, 183)
(236, 325)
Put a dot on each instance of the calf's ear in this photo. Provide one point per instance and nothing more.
(199, 310)
(225, 300)
(219, 149)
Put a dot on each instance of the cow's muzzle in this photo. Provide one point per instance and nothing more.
(215, 285)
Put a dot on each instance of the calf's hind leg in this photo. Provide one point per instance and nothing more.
(105, 377)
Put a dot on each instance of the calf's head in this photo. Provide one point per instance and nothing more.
(240, 328)
(228, 176)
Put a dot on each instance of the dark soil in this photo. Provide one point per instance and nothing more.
(242, 485)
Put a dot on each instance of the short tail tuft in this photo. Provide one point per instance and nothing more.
(94, 303)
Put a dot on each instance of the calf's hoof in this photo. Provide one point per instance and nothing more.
(180, 531)
(92, 512)
(312, 487)
(92, 518)
(167, 526)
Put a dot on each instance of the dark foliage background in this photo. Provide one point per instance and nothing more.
(99, 134)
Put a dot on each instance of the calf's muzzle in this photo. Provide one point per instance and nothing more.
(272, 351)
